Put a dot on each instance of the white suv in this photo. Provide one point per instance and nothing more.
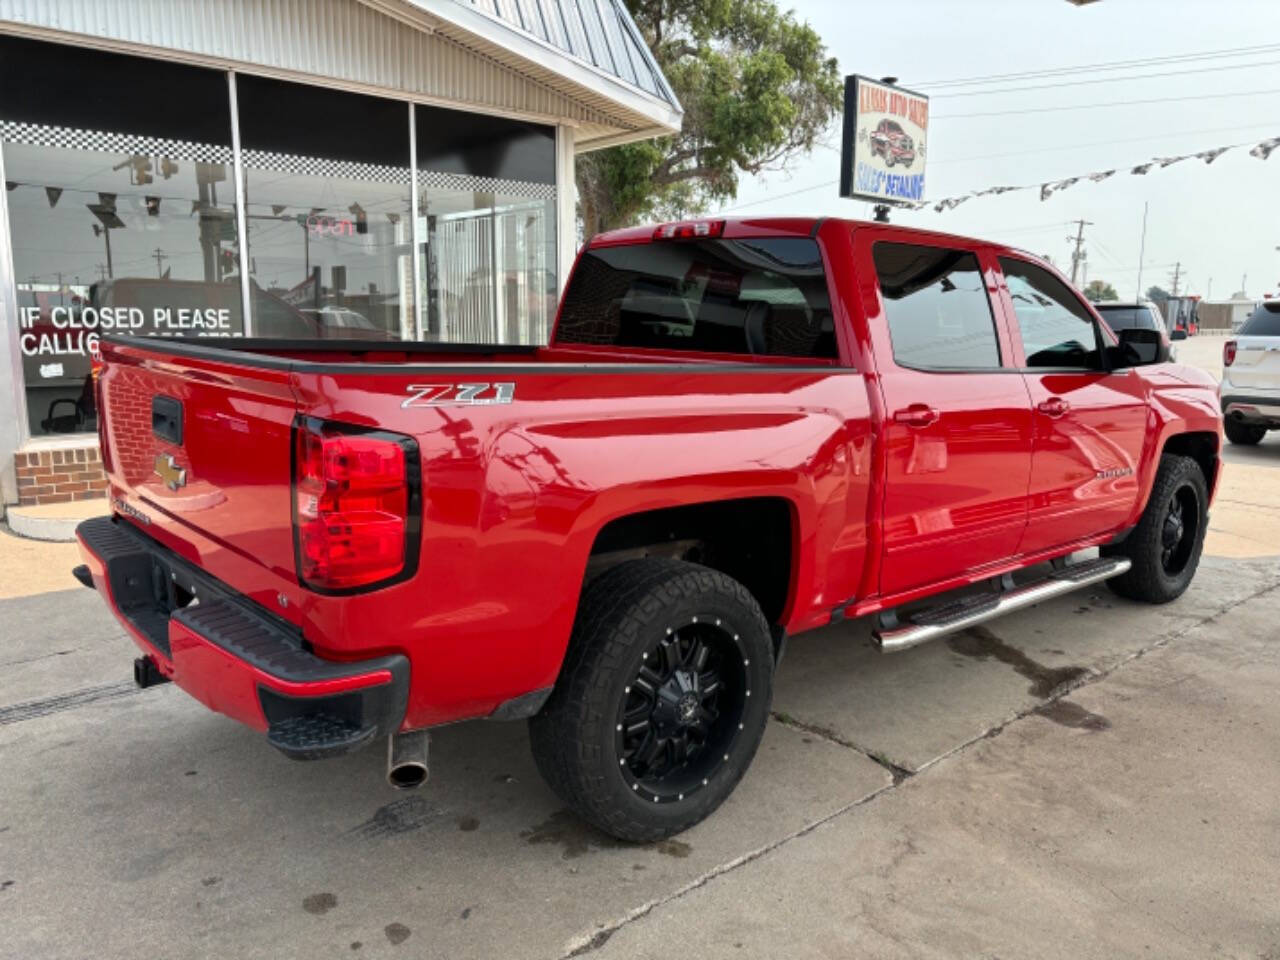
(1250, 388)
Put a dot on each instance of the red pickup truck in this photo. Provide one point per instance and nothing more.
(741, 430)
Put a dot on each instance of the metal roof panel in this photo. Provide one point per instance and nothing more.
(598, 32)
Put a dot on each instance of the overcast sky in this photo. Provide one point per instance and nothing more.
(1221, 221)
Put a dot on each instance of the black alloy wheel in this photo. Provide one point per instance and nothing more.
(1180, 530)
(682, 711)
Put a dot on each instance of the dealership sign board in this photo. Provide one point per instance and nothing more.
(883, 153)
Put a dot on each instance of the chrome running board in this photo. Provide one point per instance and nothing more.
(931, 622)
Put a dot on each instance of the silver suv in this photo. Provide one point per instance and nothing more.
(1250, 388)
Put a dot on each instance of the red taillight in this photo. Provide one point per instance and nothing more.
(1228, 353)
(689, 230)
(355, 506)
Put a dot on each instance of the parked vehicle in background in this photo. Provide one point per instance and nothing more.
(740, 431)
(1136, 315)
(890, 141)
(1250, 387)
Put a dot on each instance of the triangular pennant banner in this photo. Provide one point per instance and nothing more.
(1263, 150)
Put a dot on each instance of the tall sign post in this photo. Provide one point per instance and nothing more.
(883, 150)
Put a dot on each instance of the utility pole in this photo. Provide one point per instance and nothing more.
(1078, 254)
(1142, 250)
(1177, 274)
(160, 257)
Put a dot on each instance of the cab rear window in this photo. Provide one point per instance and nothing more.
(765, 297)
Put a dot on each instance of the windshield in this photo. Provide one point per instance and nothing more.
(1263, 322)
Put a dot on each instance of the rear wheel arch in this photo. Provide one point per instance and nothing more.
(754, 540)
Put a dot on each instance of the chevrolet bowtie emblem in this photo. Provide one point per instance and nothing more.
(173, 475)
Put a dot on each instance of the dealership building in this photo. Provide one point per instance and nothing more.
(398, 169)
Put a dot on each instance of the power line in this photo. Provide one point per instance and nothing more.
(831, 183)
(1095, 67)
(1100, 143)
(1112, 103)
(1081, 83)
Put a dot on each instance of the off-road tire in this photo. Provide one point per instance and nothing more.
(1149, 579)
(1244, 434)
(623, 614)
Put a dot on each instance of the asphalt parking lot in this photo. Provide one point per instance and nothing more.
(1087, 778)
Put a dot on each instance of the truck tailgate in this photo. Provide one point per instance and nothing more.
(197, 452)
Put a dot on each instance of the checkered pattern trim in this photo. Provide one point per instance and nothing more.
(434, 179)
(40, 135)
(322, 167)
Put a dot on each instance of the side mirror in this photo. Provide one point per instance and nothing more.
(1178, 335)
(1138, 348)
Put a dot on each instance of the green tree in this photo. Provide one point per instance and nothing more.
(758, 90)
(1097, 290)
(1158, 294)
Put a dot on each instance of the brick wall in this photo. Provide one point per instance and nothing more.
(59, 476)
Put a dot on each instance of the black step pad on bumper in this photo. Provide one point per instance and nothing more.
(318, 735)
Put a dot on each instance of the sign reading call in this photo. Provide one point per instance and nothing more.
(882, 155)
(73, 331)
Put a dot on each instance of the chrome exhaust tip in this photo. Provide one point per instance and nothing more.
(407, 759)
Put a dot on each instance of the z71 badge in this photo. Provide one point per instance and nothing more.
(439, 394)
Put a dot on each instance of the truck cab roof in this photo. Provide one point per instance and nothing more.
(741, 227)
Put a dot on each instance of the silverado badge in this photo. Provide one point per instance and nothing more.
(173, 475)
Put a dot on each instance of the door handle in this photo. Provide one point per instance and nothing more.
(916, 415)
(1053, 407)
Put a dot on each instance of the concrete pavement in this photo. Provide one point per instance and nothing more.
(926, 804)
(1136, 818)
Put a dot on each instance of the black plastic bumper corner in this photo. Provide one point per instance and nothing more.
(307, 718)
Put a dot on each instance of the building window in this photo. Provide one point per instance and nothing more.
(122, 200)
(328, 204)
(121, 210)
(487, 219)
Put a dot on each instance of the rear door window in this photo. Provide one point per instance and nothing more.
(937, 307)
(765, 296)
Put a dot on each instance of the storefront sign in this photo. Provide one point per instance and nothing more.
(882, 156)
(330, 227)
(74, 331)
